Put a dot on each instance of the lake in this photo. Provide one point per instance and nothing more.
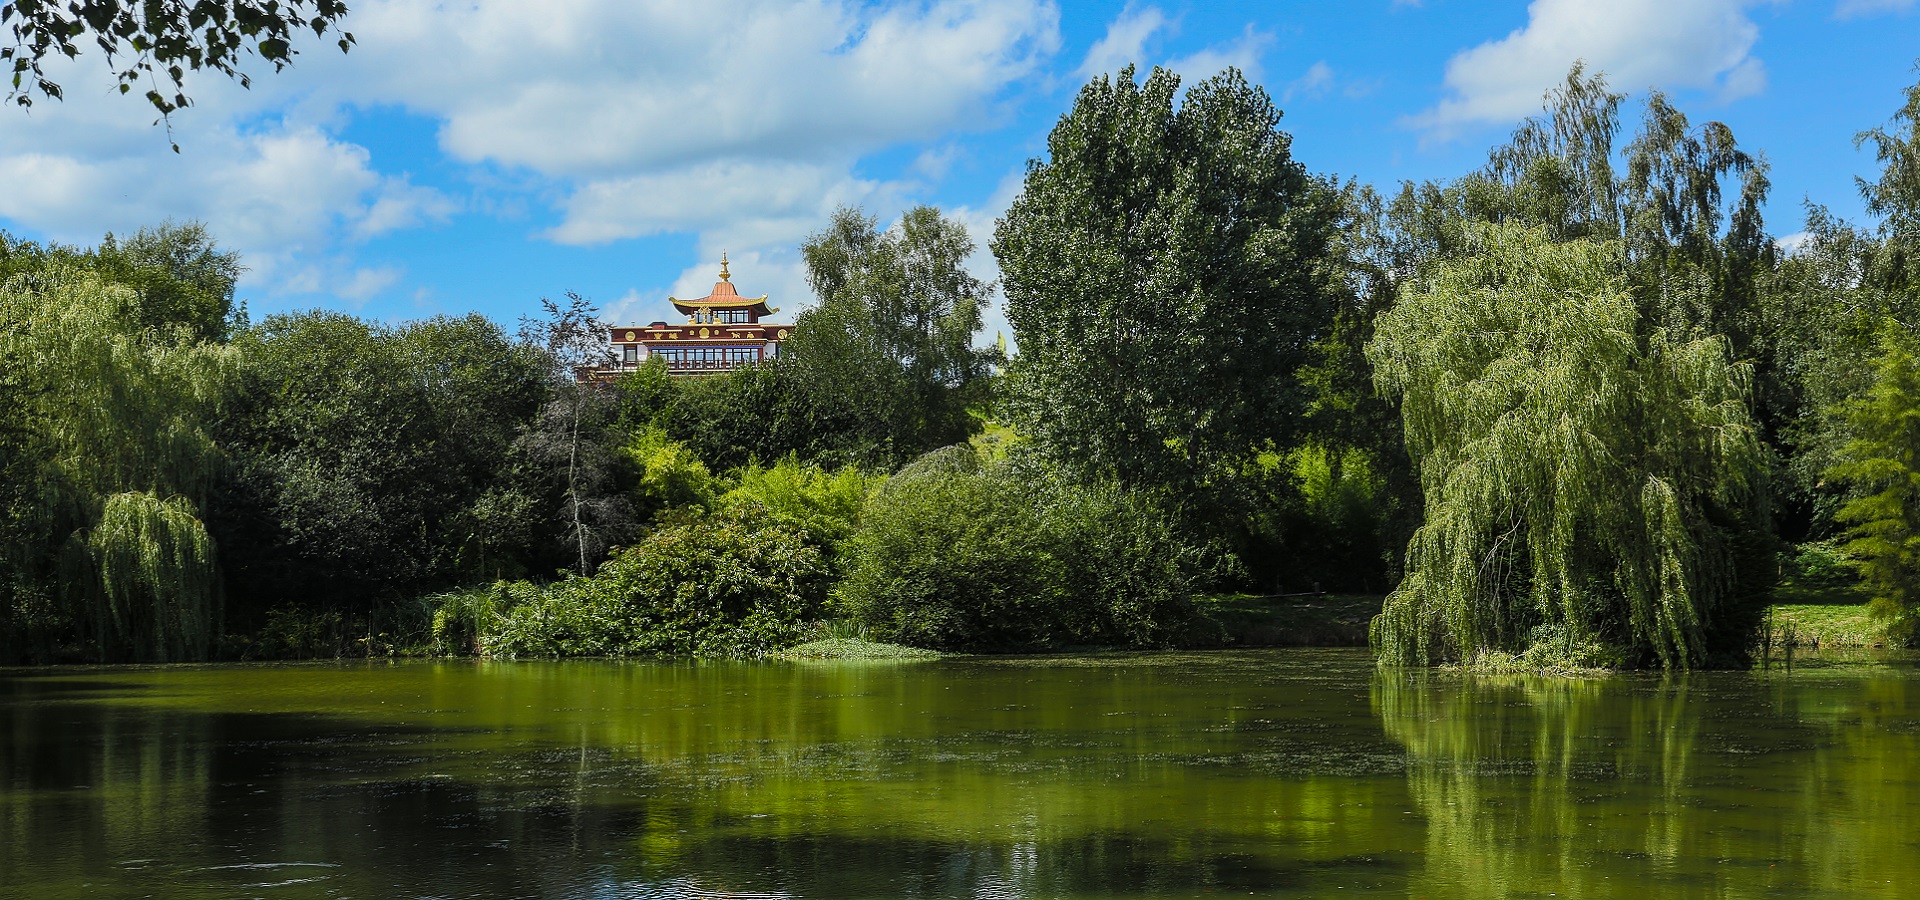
(1266, 773)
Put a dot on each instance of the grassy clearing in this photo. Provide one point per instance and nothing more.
(1819, 603)
(1825, 625)
(854, 648)
(1312, 620)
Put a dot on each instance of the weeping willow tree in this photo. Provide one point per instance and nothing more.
(117, 413)
(1585, 474)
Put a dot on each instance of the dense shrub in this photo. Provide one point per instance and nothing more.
(823, 505)
(952, 554)
(670, 475)
(732, 584)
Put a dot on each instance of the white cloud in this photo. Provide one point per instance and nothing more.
(1125, 41)
(364, 283)
(1241, 53)
(1668, 44)
(402, 204)
(592, 88)
(742, 121)
(1130, 33)
(749, 202)
(778, 273)
(1313, 83)
(980, 222)
(1849, 9)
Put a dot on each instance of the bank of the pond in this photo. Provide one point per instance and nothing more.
(1292, 620)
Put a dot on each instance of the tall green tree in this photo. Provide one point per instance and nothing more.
(373, 462)
(1587, 477)
(889, 349)
(182, 275)
(1824, 310)
(1882, 465)
(1167, 274)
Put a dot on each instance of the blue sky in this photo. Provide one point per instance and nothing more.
(478, 156)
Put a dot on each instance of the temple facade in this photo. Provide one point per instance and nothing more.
(723, 331)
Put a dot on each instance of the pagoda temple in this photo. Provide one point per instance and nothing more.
(723, 331)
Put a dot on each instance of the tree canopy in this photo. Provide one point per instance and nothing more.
(1167, 273)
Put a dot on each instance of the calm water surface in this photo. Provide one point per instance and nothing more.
(1275, 773)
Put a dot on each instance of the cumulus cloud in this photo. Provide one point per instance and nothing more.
(1129, 35)
(738, 120)
(1125, 41)
(1243, 53)
(749, 202)
(1669, 44)
(597, 87)
(400, 204)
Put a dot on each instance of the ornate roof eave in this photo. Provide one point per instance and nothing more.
(705, 303)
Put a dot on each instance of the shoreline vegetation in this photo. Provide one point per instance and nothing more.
(1574, 411)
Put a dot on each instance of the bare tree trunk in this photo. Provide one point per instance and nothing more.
(573, 486)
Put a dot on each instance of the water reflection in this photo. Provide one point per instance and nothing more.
(1716, 784)
(1282, 773)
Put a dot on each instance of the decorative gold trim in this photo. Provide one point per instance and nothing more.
(633, 336)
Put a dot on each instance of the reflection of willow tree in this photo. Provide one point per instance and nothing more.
(1857, 793)
(1519, 777)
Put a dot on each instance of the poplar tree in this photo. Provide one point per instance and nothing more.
(1167, 273)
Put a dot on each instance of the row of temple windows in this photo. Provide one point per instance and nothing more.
(706, 356)
(723, 316)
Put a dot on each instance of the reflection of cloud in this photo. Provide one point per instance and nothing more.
(1702, 44)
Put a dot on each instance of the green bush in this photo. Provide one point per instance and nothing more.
(822, 505)
(955, 555)
(670, 474)
(731, 584)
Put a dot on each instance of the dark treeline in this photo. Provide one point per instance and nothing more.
(1576, 408)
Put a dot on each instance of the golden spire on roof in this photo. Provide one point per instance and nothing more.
(723, 268)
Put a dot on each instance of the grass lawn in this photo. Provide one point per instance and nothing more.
(1829, 612)
(1825, 625)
